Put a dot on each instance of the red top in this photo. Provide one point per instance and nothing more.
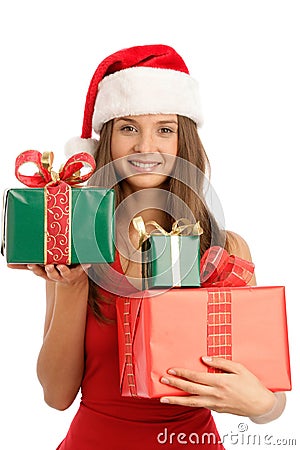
(107, 421)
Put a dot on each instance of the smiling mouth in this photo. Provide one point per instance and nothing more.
(144, 166)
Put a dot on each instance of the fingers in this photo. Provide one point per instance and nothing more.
(188, 385)
(231, 391)
(192, 400)
(17, 266)
(37, 270)
(202, 378)
(209, 379)
(201, 393)
(65, 274)
(201, 386)
(56, 273)
(226, 365)
(59, 273)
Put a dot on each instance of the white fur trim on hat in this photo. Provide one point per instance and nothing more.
(146, 90)
(77, 144)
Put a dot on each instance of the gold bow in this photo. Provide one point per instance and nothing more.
(188, 228)
(47, 162)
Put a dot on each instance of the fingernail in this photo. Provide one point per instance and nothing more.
(29, 266)
(86, 266)
(207, 358)
(165, 380)
(172, 372)
(48, 268)
(164, 400)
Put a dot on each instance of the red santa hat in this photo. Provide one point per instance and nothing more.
(149, 79)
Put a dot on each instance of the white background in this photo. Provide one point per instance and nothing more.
(245, 55)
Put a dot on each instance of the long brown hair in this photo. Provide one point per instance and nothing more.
(187, 182)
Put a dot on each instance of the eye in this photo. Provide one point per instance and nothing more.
(128, 128)
(166, 130)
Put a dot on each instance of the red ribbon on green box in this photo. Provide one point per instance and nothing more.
(57, 197)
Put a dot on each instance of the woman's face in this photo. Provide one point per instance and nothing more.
(143, 149)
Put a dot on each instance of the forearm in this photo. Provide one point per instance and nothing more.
(275, 412)
(60, 363)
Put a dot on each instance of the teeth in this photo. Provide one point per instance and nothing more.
(143, 165)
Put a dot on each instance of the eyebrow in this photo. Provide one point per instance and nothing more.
(168, 121)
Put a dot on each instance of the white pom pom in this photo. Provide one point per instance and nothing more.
(77, 145)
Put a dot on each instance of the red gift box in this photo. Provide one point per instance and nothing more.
(174, 328)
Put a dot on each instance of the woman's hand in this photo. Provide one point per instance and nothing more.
(237, 391)
(61, 273)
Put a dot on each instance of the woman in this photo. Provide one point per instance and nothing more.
(145, 106)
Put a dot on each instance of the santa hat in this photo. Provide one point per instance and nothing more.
(149, 79)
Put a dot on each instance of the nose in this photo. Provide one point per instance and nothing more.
(145, 143)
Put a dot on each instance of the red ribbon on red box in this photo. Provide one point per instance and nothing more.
(219, 325)
(58, 197)
(129, 367)
(219, 269)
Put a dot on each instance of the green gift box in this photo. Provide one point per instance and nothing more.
(171, 261)
(91, 231)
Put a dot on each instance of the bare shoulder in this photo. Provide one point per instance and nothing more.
(238, 246)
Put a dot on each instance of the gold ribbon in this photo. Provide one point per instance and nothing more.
(177, 230)
(47, 163)
(187, 229)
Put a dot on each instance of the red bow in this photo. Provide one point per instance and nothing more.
(220, 269)
(69, 173)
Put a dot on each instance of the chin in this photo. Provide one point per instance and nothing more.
(146, 181)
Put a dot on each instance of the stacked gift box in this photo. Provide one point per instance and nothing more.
(175, 321)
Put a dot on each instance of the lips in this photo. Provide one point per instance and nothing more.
(144, 166)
